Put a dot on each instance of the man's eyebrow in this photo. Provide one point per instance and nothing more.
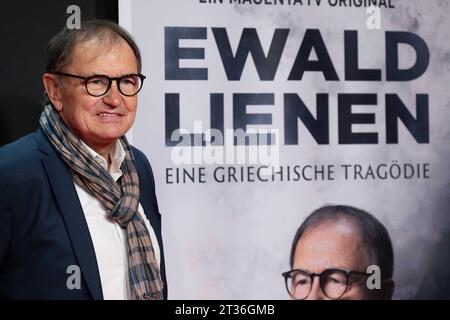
(341, 267)
(303, 269)
(93, 74)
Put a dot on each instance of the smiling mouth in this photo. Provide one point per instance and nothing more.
(105, 115)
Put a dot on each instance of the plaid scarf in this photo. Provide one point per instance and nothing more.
(120, 199)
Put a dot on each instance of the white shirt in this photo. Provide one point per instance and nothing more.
(108, 238)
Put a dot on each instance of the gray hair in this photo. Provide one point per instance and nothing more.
(60, 47)
(375, 235)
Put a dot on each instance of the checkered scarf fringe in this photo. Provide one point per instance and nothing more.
(120, 199)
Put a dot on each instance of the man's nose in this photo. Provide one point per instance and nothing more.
(316, 292)
(113, 96)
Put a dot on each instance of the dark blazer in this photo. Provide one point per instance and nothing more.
(43, 230)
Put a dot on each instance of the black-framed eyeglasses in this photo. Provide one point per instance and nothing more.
(98, 85)
(333, 282)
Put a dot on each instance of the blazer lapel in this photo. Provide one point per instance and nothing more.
(151, 211)
(75, 222)
(146, 203)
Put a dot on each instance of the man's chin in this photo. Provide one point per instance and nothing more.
(110, 132)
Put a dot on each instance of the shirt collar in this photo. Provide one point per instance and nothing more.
(117, 156)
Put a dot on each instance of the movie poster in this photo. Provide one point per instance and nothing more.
(255, 113)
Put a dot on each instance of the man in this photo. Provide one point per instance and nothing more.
(79, 216)
(332, 251)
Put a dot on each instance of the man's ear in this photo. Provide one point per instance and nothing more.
(53, 88)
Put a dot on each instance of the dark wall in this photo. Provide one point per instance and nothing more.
(25, 29)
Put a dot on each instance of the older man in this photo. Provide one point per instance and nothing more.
(78, 211)
(332, 251)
